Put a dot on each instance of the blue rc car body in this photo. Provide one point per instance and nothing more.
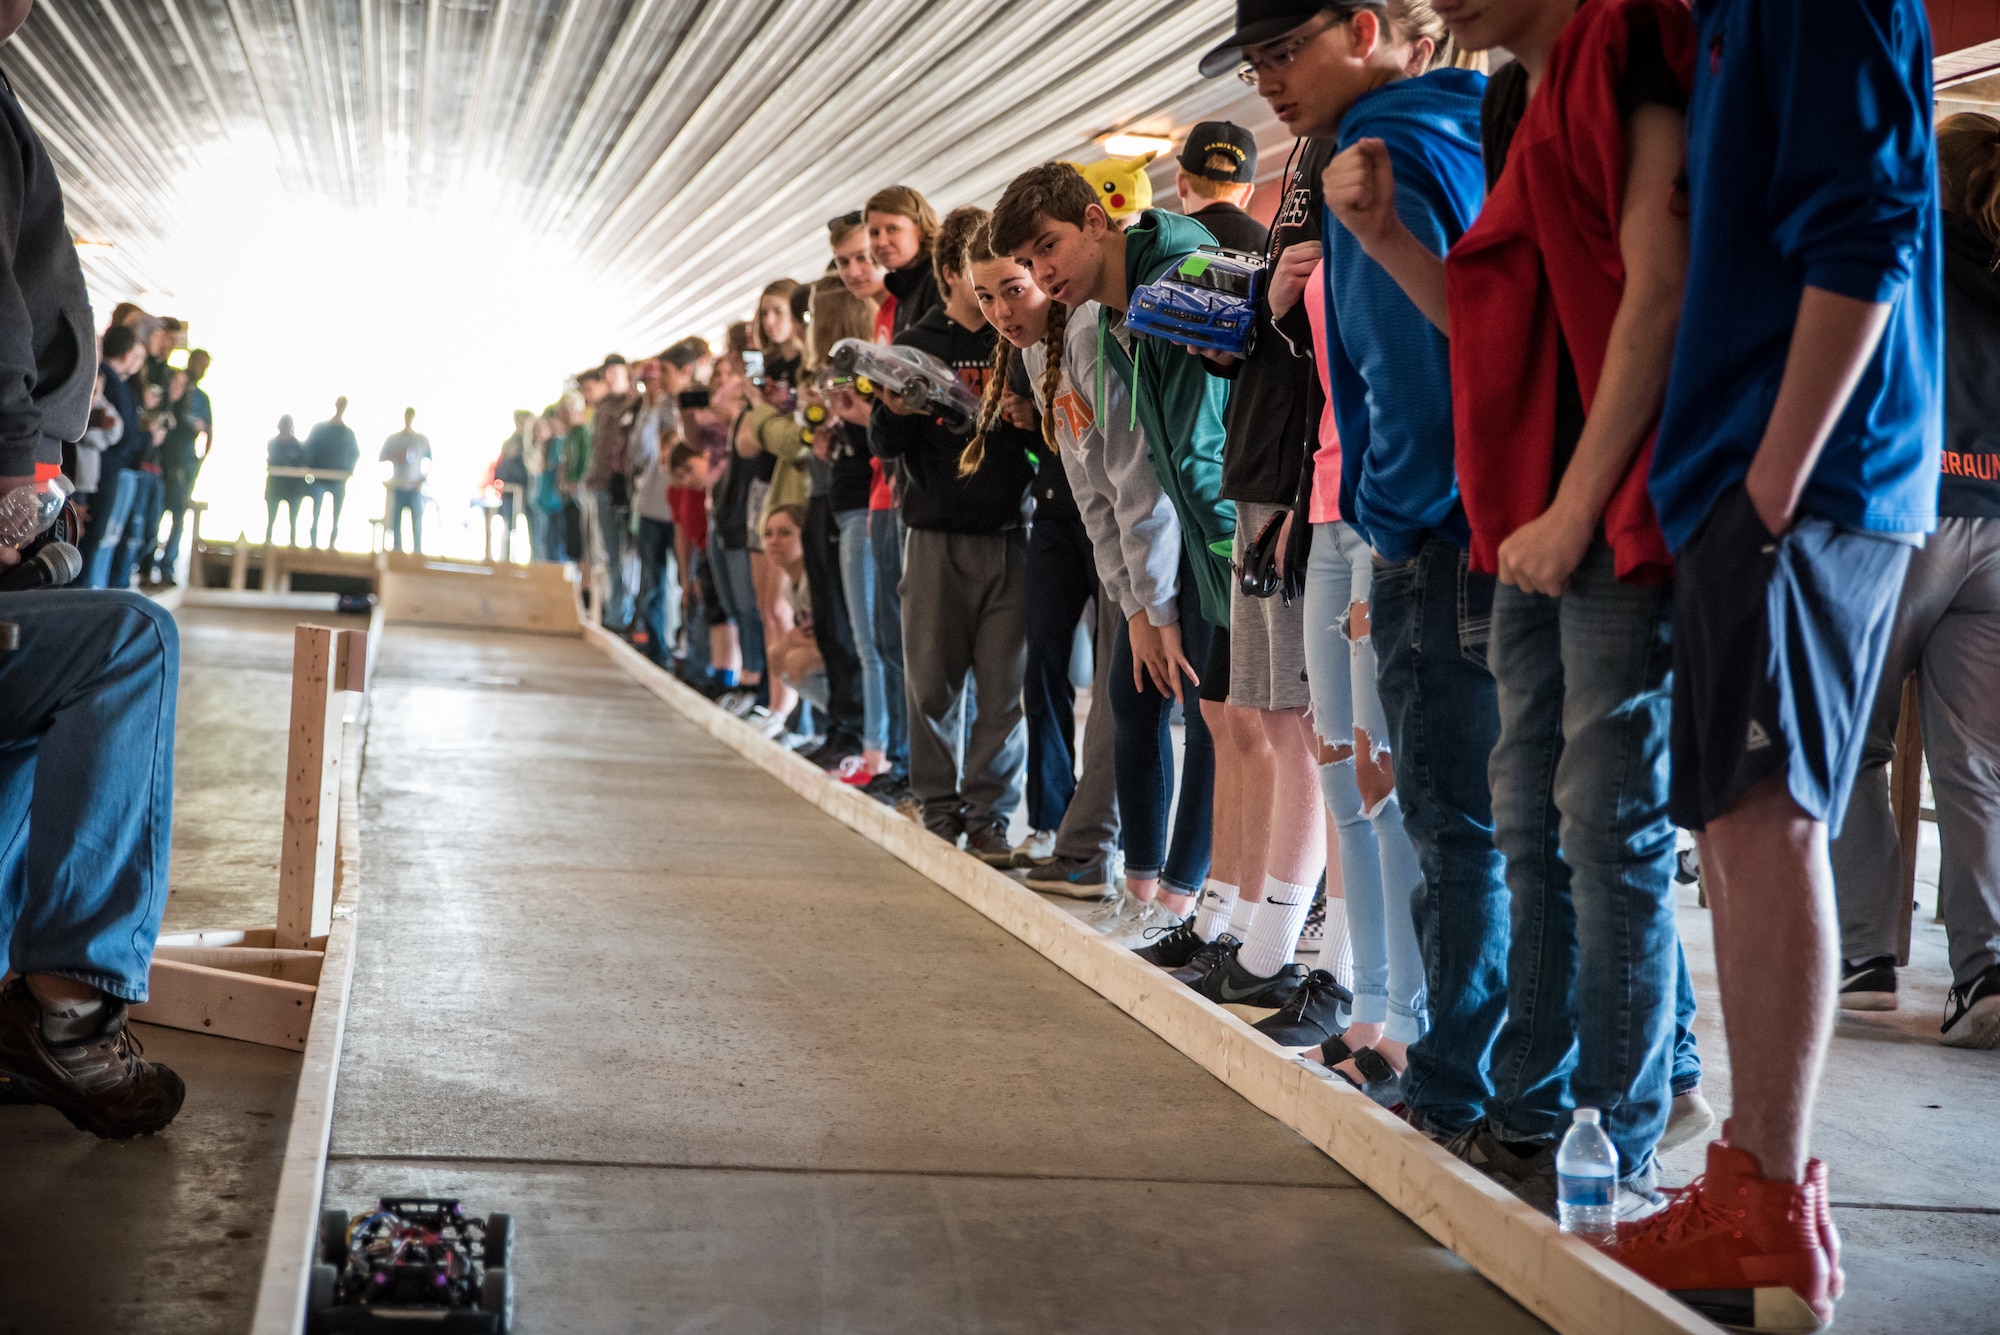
(1208, 301)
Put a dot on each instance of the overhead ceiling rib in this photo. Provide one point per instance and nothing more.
(684, 150)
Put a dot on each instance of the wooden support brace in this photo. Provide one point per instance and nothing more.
(325, 665)
(229, 1004)
(290, 966)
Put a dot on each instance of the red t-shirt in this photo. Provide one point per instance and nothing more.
(690, 509)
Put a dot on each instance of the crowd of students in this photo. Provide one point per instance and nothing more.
(150, 429)
(1574, 488)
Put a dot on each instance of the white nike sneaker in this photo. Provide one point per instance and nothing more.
(1152, 921)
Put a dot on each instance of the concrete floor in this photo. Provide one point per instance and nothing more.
(1907, 1128)
(734, 1068)
(166, 1234)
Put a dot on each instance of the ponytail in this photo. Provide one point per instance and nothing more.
(1968, 149)
(989, 406)
(1052, 351)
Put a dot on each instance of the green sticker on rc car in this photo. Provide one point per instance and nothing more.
(1194, 266)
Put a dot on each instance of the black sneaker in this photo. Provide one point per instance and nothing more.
(1076, 878)
(1208, 956)
(1174, 947)
(1974, 1018)
(1868, 985)
(1236, 989)
(1526, 1168)
(989, 843)
(1311, 1015)
(1687, 866)
(101, 1084)
(887, 787)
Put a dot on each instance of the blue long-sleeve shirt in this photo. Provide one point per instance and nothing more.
(1389, 367)
(1810, 164)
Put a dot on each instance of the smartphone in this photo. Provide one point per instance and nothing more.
(753, 366)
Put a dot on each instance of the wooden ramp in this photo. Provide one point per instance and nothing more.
(484, 595)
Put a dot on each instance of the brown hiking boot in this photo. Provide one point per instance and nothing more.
(101, 1083)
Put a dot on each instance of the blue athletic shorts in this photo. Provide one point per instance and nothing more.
(1778, 648)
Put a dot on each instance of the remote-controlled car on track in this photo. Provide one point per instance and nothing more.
(1205, 301)
(920, 380)
(412, 1263)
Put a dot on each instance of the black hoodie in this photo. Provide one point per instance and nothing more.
(916, 291)
(935, 497)
(1970, 485)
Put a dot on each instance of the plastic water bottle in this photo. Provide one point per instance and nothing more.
(1587, 1181)
(26, 511)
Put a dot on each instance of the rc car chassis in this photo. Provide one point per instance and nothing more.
(1208, 300)
(919, 379)
(412, 1259)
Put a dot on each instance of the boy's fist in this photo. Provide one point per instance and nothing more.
(1360, 188)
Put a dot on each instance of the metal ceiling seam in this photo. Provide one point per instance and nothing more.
(198, 62)
(114, 102)
(142, 61)
(613, 79)
(496, 30)
(538, 91)
(82, 125)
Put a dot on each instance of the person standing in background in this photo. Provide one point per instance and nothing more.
(111, 508)
(284, 450)
(408, 454)
(188, 443)
(1218, 168)
(330, 448)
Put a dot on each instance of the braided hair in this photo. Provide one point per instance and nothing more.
(1052, 351)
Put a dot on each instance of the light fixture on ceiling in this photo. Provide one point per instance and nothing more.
(1133, 145)
(84, 243)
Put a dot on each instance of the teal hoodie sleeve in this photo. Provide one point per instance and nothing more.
(1200, 463)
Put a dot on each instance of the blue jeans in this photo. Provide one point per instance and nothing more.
(738, 591)
(401, 500)
(110, 512)
(1378, 864)
(142, 526)
(1579, 783)
(86, 785)
(857, 580)
(885, 538)
(1430, 617)
(658, 613)
(1145, 759)
(1062, 578)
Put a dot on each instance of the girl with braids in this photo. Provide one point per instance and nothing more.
(1075, 823)
(965, 576)
(1135, 542)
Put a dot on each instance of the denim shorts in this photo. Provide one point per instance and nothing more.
(1778, 647)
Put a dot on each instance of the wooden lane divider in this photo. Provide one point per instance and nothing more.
(260, 984)
(1566, 1283)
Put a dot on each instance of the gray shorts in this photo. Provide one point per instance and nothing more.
(1267, 639)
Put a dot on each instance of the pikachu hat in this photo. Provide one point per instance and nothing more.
(1121, 184)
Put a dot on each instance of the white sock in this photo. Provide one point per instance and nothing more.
(1274, 932)
(71, 1021)
(1336, 953)
(1211, 911)
(1241, 917)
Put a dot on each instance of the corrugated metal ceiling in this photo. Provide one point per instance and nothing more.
(687, 150)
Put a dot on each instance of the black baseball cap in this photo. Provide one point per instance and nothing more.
(1261, 21)
(1220, 151)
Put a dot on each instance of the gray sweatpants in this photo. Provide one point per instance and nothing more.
(1089, 828)
(965, 612)
(1948, 632)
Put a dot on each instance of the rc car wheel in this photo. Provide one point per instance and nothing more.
(319, 1296)
(499, 1241)
(496, 1294)
(333, 1237)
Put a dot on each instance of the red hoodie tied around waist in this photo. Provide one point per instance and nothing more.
(1537, 274)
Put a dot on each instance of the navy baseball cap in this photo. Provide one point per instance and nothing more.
(1220, 151)
(1261, 21)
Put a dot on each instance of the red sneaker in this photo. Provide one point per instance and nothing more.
(1737, 1247)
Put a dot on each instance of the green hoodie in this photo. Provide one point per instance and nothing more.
(1180, 407)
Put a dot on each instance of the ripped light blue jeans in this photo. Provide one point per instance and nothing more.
(1378, 865)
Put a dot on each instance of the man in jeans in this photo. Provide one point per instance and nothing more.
(605, 492)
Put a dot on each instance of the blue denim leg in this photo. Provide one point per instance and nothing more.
(885, 536)
(1687, 1053)
(857, 578)
(1430, 618)
(1582, 767)
(1375, 851)
(1062, 579)
(110, 509)
(142, 528)
(86, 785)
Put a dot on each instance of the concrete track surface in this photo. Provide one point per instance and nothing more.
(734, 1068)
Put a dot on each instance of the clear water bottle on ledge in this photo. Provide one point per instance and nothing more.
(26, 511)
(1587, 1181)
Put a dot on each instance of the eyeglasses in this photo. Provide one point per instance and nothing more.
(1282, 54)
(852, 219)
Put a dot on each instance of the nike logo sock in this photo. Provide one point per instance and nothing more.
(1211, 914)
(1274, 932)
